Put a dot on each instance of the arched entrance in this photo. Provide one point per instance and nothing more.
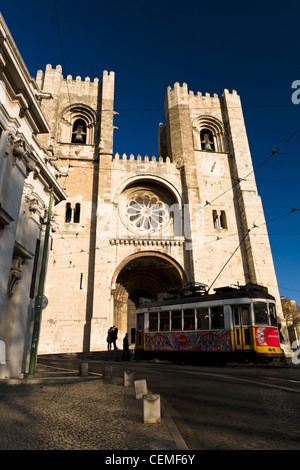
(144, 274)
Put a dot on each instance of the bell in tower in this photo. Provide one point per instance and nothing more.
(78, 135)
(206, 143)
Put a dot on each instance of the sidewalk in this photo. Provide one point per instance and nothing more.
(58, 409)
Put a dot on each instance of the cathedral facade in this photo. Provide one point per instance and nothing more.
(133, 226)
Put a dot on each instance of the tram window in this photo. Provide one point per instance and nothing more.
(176, 320)
(189, 320)
(153, 321)
(202, 319)
(245, 316)
(217, 317)
(164, 322)
(261, 313)
(236, 316)
(273, 316)
(140, 322)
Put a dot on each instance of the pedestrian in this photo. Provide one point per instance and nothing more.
(109, 338)
(115, 337)
(126, 352)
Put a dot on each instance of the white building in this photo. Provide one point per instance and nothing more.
(27, 174)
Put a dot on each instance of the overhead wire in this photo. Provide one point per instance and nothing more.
(246, 234)
(238, 181)
(64, 67)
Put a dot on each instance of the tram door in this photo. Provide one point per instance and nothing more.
(241, 327)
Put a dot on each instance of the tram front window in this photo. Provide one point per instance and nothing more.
(176, 320)
(153, 321)
(188, 320)
(202, 319)
(273, 316)
(140, 322)
(261, 313)
(217, 317)
(164, 323)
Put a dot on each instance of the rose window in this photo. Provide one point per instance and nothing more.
(146, 212)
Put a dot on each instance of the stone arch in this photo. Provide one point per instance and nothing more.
(143, 274)
(163, 212)
(135, 180)
(74, 113)
(214, 127)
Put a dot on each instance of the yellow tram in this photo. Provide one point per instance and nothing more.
(189, 324)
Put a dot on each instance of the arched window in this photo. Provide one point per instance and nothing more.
(78, 125)
(220, 221)
(77, 214)
(208, 134)
(223, 219)
(68, 212)
(72, 215)
(79, 132)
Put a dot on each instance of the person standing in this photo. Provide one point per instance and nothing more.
(126, 352)
(115, 337)
(109, 338)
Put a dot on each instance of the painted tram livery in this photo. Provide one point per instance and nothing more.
(233, 324)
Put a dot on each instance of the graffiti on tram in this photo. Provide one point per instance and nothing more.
(267, 337)
(194, 341)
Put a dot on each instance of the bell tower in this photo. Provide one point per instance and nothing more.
(205, 136)
(80, 114)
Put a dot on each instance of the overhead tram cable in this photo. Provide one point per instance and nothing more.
(254, 169)
(249, 230)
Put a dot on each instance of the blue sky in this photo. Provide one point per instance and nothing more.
(150, 45)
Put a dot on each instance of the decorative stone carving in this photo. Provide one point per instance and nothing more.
(178, 241)
(8, 143)
(19, 149)
(15, 274)
(33, 204)
(146, 212)
(30, 161)
(21, 153)
(42, 95)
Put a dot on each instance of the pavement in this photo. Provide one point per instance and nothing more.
(65, 407)
(62, 407)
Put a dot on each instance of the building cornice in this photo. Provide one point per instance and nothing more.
(15, 72)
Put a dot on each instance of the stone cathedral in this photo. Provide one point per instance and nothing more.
(134, 226)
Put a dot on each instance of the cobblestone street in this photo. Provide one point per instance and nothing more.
(87, 415)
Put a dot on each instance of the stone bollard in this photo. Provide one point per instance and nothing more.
(107, 372)
(83, 369)
(2, 371)
(140, 387)
(151, 409)
(2, 360)
(128, 378)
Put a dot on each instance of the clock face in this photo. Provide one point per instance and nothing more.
(213, 167)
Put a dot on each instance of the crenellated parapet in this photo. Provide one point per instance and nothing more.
(182, 93)
(55, 75)
(124, 158)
